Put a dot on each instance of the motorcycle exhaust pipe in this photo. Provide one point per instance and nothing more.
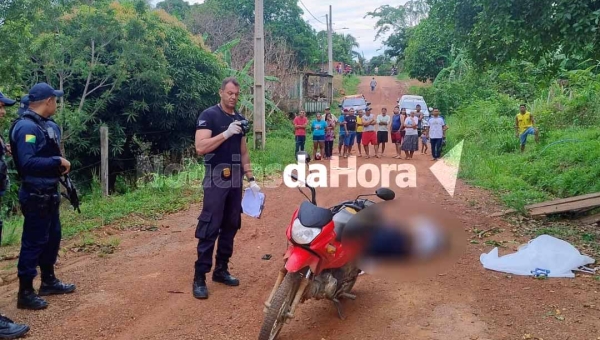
(280, 277)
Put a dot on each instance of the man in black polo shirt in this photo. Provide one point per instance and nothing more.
(220, 138)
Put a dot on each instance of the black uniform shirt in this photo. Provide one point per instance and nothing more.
(217, 121)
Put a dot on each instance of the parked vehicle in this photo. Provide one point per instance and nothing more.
(410, 102)
(356, 102)
(319, 263)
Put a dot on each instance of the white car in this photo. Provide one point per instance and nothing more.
(410, 102)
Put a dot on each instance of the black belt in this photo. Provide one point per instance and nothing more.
(41, 191)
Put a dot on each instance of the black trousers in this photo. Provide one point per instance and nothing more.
(221, 218)
(328, 148)
(42, 232)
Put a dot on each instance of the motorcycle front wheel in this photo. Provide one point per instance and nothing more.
(280, 306)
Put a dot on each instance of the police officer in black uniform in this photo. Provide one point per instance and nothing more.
(220, 137)
(8, 328)
(35, 139)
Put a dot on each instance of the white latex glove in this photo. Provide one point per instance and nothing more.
(234, 129)
(254, 187)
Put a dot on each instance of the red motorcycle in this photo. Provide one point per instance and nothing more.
(318, 264)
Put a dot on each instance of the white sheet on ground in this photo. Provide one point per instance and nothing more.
(252, 205)
(544, 252)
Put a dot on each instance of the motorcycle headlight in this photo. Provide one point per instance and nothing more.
(302, 234)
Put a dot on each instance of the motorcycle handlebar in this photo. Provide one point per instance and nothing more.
(312, 190)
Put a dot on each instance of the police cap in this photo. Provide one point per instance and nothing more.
(43, 91)
(24, 105)
(6, 101)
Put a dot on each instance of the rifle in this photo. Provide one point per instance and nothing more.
(71, 194)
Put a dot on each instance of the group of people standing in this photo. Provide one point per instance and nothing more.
(366, 129)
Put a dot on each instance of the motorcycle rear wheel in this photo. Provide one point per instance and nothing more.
(280, 305)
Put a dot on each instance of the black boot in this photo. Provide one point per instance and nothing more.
(11, 330)
(199, 288)
(27, 298)
(51, 285)
(221, 275)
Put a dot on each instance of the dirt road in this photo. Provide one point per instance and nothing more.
(143, 291)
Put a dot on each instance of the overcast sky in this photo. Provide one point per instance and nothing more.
(347, 14)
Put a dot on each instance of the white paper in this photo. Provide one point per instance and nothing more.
(252, 204)
(544, 252)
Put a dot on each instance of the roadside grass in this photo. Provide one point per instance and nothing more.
(151, 201)
(350, 85)
(403, 76)
(565, 163)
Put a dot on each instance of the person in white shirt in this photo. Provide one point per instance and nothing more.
(411, 138)
(383, 123)
(437, 129)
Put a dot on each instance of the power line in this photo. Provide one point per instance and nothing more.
(303, 5)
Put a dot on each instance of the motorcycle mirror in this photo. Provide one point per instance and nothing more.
(385, 194)
(306, 156)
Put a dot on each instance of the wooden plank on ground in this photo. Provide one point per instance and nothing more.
(590, 219)
(568, 206)
(562, 200)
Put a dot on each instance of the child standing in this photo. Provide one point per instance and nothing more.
(424, 139)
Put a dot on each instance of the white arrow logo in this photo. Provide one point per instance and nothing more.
(446, 169)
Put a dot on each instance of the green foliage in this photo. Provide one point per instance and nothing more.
(177, 8)
(565, 163)
(350, 85)
(428, 50)
(398, 21)
(283, 18)
(495, 32)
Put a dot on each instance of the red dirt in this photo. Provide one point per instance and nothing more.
(132, 294)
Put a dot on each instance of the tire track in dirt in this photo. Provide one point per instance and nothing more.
(143, 291)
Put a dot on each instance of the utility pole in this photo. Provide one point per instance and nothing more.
(259, 77)
(330, 40)
(104, 160)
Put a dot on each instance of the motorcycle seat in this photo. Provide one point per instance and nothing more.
(312, 216)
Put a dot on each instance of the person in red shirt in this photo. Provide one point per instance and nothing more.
(300, 123)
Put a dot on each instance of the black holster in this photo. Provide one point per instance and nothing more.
(44, 204)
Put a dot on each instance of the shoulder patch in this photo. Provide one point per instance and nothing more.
(201, 122)
(30, 138)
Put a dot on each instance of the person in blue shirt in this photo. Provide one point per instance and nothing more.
(318, 127)
(35, 140)
(8, 328)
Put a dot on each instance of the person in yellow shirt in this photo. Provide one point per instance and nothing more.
(524, 126)
(359, 131)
